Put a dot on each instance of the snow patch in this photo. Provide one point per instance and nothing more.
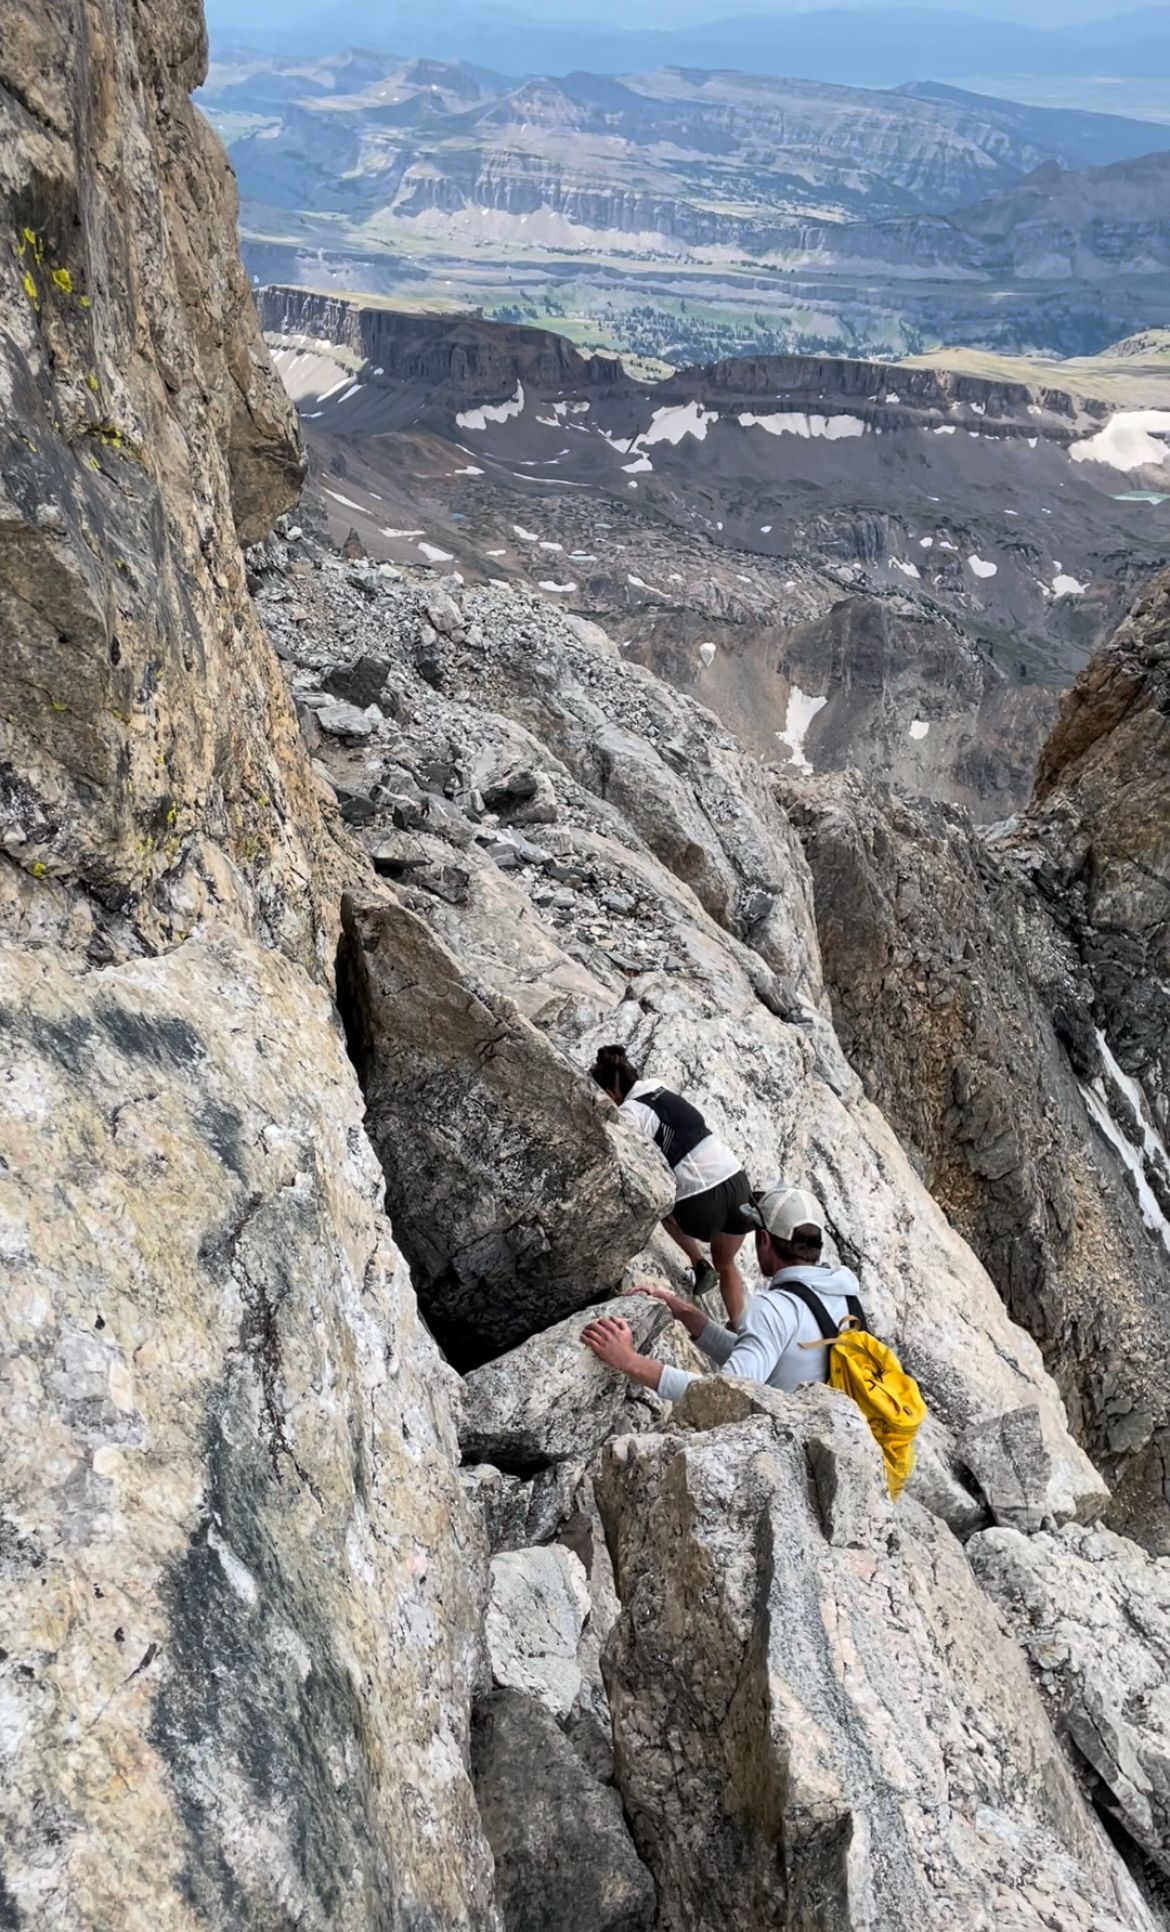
(347, 503)
(802, 709)
(526, 536)
(980, 566)
(707, 655)
(561, 590)
(926, 543)
(765, 529)
(1065, 586)
(1129, 441)
(944, 429)
(351, 391)
(391, 533)
(1152, 1152)
(796, 422)
(907, 569)
(670, 425)
(639, 464)
(919, 727)
(470, 470)
(492, 412)
(433, 554)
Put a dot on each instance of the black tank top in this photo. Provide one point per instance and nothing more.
(680, 1126)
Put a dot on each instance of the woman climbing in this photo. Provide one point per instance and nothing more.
(710, 1185)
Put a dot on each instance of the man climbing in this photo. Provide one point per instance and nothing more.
(770, 1343)
(711, 1187)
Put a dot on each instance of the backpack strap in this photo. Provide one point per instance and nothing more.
(800, 1291)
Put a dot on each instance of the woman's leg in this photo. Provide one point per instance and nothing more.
(724, 1248)
(704, 1273)
(691, 1249)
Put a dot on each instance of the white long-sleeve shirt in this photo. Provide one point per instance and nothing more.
(767, 1347)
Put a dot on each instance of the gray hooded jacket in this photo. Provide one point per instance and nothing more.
(767, 1347)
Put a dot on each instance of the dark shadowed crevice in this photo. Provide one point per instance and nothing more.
(353, 1006)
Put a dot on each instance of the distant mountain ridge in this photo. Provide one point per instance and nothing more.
(876, 47)
(698, 213)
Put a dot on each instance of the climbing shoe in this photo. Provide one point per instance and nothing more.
(706, 1280)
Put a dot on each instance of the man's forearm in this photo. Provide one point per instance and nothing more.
(641, 1369)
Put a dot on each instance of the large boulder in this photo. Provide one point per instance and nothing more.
(818, 1720)
(564, 1858)
(515, 1191)
(242, 1591)
(551, 1400)
(1092, 1612)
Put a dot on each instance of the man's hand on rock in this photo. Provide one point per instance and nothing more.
(612, 1341)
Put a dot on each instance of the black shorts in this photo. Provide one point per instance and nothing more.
(716, 1210)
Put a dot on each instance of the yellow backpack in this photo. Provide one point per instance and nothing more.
(872, 1376)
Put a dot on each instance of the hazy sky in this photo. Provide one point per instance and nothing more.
(644, 13)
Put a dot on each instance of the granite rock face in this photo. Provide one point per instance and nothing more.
(1092, 1614)
(536, 1612)
(1099, 833)
(232, 1508)
(514, 1195)
(563, 1855)
(551, 1400)
(594, 936)
(781, 1762)
(149, 747)
(971, 988)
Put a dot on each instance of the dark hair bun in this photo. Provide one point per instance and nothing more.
(612, 1068)
(611, 1056)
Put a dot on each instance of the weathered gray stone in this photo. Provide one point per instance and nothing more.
(346, 721)
(443, 613)
(536, 1612)
(519, 1511)
(360, 683)
(1012, 1468)
(960, 995)
(1092, 1612)
(145, 730)
(818, 1721)
(242, 1588)
(564, 1858)
(550, 1399)
(547, 1195)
